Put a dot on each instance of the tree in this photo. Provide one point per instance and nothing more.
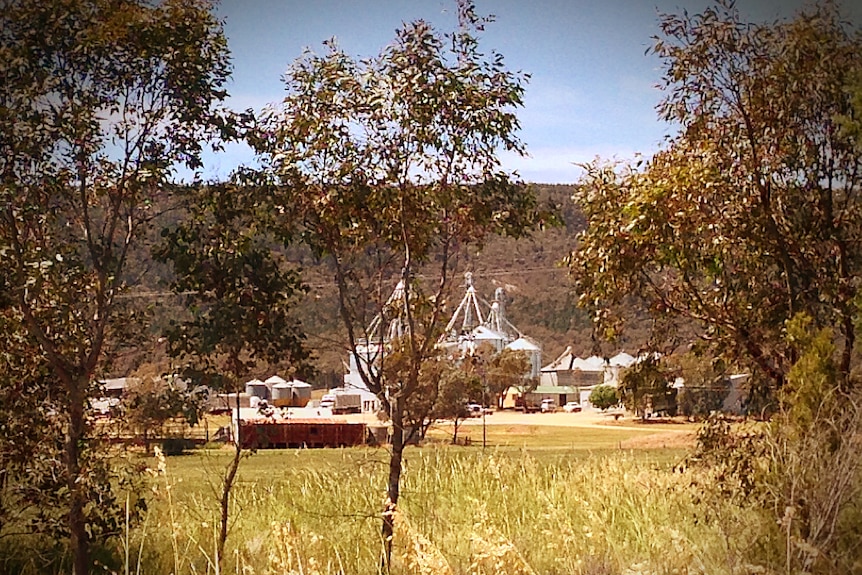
(706, 383)
(800, 471)
(31, 450)
(458, 386)
(396, 366)
(508, 368)
(100, 101)
(156, 399)
(390, 167)
(604, 397)
(240, 296)
(647, 386)
(851, 122)
(751, 213)
(814, 466)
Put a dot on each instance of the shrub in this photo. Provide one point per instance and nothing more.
(604, 397)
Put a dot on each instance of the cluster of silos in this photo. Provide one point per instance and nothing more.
(278, 392)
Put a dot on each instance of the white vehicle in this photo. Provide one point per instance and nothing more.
(548, 406)
(474, 410)
(572, 407)
(327, 401)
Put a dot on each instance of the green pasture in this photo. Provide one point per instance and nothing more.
(536, 500)
(551, 499)
(544, 443)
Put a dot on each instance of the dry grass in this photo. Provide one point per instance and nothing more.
(685, 440)
(463, 511)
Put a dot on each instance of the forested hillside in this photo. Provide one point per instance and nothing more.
(541, 300)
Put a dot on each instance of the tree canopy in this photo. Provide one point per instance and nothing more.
(750, 214)
(389, 167)
(100, 102)
(604, 397)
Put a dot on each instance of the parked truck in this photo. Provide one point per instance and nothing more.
(341, 403)
(527, 405)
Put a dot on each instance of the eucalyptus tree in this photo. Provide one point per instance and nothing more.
(751, 213)
(100, 101)
(240, 296)
(390, 167)
(504, 370)
(457, 386)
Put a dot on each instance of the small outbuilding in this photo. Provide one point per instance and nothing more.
(295, 433)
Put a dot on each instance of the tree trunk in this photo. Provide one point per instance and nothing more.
(229, 479)
(79, 540)
(393, 490)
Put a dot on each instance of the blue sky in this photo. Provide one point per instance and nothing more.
(592, 88)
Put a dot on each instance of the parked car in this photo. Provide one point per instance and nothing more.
(474, 410)
(549, 405)
(572, 407)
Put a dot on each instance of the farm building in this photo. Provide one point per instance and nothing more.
(730, 392)
(561, 394)
(474, 323)
(574, 378)
(295, 433)
(279, 392)
(275, 390)
(267, 426)
(112, 391)
(470, 328)
(117, 386)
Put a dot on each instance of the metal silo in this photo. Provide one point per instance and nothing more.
(257, 388)
(282, 395)
(300, 393)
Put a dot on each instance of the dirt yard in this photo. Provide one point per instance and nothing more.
(667, 433)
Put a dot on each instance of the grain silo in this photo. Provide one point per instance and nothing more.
(294, 393)
(257, 388)
(281, 394)
(300, 393)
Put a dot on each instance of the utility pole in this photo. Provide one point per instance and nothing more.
(484, 408)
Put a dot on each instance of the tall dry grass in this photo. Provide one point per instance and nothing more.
(461, 512)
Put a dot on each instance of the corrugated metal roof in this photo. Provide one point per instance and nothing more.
(118, 383)
(622, 359)
(568, 362)
(306, 420)
(523, 344)
(291, 384)
(555, 389)
(483, 333)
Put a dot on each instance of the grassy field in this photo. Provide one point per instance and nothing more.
(536, 500)
(545, 437)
